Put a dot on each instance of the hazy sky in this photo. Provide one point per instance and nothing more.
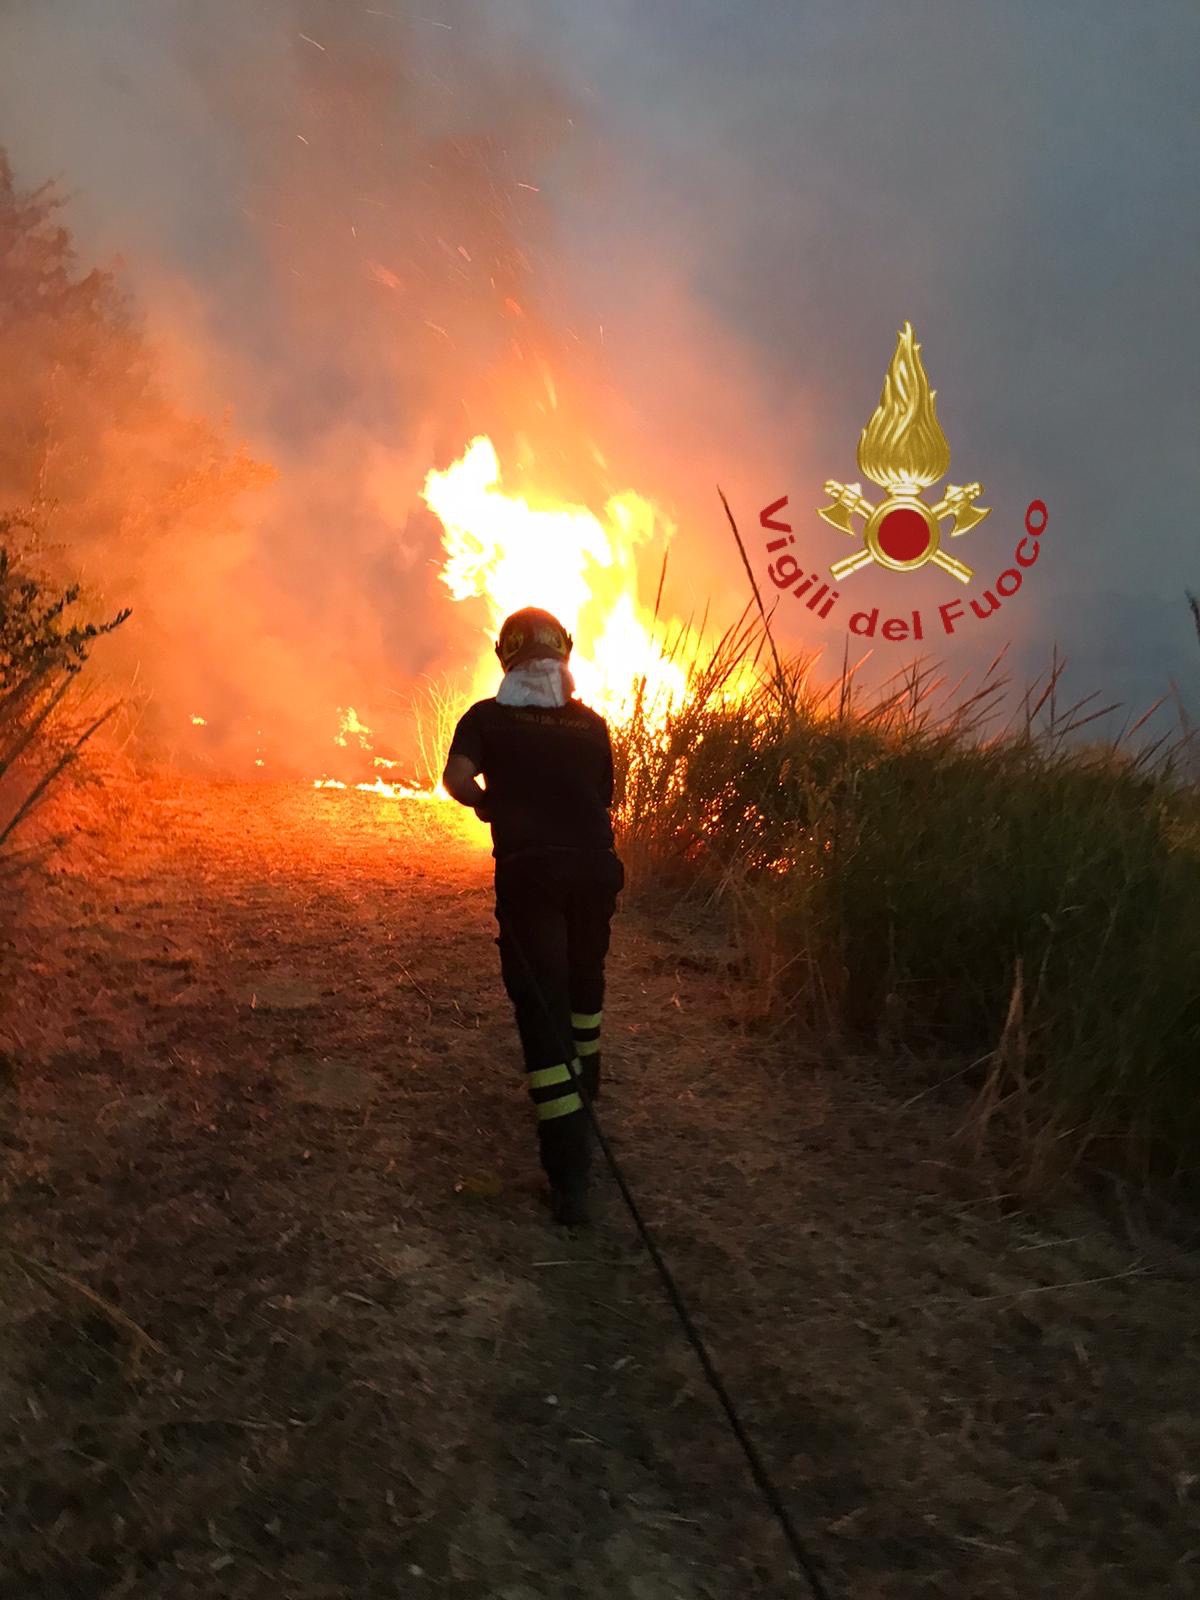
(1022, 180)
(1019, 179)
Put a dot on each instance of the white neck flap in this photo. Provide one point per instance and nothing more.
(536, 683)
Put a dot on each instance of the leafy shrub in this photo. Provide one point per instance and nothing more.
(43, 646)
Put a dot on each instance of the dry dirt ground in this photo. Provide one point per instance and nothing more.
(268, 1109)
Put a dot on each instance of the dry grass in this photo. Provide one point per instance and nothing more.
(924, 870)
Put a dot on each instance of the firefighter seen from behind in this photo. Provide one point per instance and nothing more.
(546, 763)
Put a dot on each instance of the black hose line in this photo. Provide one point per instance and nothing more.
(758, 1469)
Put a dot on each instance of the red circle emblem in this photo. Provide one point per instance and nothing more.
(903, 534)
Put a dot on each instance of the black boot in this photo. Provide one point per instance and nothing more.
(566, 1151)
(569, 1204)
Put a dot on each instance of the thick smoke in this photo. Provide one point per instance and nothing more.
(642, 247)
(350, 244)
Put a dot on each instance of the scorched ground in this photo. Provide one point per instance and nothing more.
(268, 1108)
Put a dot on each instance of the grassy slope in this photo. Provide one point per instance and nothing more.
(903, 871)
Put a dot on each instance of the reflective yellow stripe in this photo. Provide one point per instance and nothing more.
(545, 1076)
(588, 1047)
(561, 1107)
(580, 1021)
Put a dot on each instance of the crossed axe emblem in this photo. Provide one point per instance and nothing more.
(848, 502)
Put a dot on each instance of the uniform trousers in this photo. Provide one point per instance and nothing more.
(554, 908)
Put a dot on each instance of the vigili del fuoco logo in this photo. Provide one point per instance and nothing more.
(904, 451)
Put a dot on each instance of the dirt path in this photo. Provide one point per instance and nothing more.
(277, 1120)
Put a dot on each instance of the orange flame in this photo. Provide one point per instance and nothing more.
(390, 791)
(511, 553)
(351, 727)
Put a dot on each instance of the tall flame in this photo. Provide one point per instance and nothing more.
(903, 447)
(512, 553)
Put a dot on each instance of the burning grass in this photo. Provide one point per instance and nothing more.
(909, 870)
(501, 547)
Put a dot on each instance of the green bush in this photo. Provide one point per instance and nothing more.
(42, 648)
(895, 873)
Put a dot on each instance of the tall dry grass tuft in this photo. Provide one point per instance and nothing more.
(911, 869)
(434, 709)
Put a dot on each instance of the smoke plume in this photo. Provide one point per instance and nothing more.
(641, 248)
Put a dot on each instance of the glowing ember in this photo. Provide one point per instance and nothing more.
(199, 722)
(511, 552)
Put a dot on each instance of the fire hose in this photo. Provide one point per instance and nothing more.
(758, 1470)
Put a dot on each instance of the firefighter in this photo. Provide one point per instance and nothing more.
(546, 762)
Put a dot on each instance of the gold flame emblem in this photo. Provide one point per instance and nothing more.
(903, 450)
